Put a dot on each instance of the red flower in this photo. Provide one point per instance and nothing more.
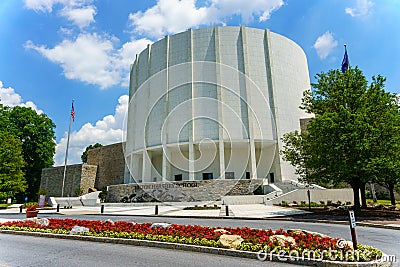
(31, 208)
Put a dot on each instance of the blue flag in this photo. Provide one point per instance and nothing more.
(345, 62)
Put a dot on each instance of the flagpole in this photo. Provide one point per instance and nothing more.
(66, 152)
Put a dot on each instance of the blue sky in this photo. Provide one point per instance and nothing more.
(53, 51)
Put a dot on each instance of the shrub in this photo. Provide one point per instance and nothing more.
(79, 191)
(27, 204)
(103, 195)
(258, 191)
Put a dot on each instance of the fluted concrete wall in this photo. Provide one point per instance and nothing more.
(228, 93)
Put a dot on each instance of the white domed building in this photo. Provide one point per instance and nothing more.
(213, 104)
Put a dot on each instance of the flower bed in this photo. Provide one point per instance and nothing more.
(255, 240)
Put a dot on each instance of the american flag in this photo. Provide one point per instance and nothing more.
(73, 112)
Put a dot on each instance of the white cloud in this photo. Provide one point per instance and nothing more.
(8, 97)
(79, 12)
(92, 58)
(361, 8)
(106, 131)
(41, 5)
(82, 17)
(172, 16)
(169, 16)
(325, 44)
(247, 9)
(97, 59)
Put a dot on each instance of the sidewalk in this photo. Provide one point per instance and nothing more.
(254, 211)
(250, 211)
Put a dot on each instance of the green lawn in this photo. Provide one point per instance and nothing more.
(384, 202)
(4, 206)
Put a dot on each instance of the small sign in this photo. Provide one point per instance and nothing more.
(41, 200)
(352, 219)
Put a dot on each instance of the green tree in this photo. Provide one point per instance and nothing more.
(36, 133)
(12, 178)
(343, 142)
(383, 136)
(85, 153)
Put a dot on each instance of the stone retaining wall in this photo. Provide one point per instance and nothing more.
(79, 176)
(106, 166)
(110, 163)
(188, 191)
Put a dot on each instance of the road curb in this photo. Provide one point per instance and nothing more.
(202, 249)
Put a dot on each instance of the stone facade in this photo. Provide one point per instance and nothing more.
(186, 191)
(78, 177)
(110, 164)
(106, 166)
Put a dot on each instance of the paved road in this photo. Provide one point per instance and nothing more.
(384, 239)
(18, 250)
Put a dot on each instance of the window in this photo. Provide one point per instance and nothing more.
(271, 177)
(178, 177)
(247, 175)
(207, 176)
(229, 175)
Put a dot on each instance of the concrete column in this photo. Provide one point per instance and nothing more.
(131, 124)
(220, 99)
(222, 159)
(146, 170)
(253, 161)
(253, 165)
(166, 166)
(128, 167)
(192, 155)
(191, 161)
(271, 83)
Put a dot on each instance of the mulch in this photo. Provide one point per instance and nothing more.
(336, 214)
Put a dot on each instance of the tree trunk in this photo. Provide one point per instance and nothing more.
(391, 192)
(363, 198)
(356, 194)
